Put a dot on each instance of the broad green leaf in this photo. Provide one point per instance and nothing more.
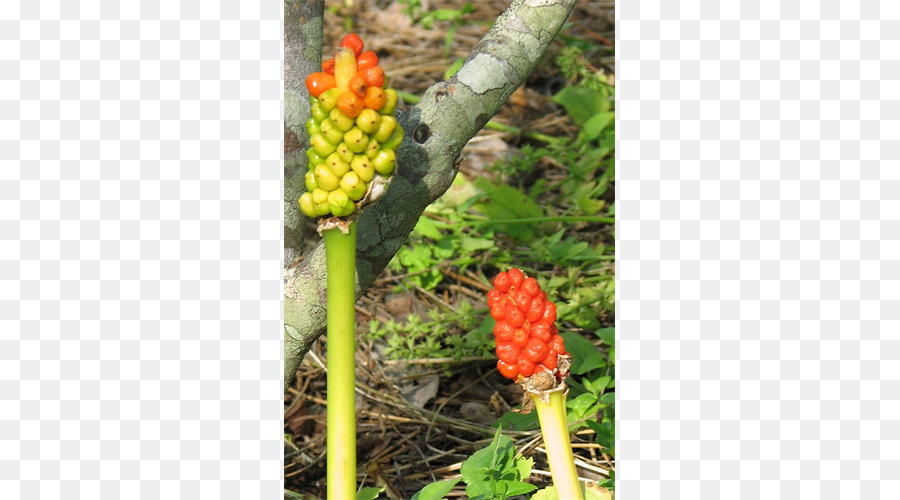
(514, 488)
(369, 493)
(585, 357)
(506, 202)
(436, 491)
(596, 124)
(428, 229)
(608, 335)
(582, 103)
(606, 435)
(518, 421)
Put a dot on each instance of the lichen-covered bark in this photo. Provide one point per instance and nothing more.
(450, 113)
(302, 56)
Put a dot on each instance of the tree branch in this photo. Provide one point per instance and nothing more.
(449, 114)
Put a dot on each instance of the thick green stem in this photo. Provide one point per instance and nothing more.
(552, 415)
(340, 255)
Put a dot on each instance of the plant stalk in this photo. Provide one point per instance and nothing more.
(340, 257)
(552, 416)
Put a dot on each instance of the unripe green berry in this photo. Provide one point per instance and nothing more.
(320, 201)
(314, 158)
(343, 122)
(390, 103)
(344, 152)
(331, 131)
(321, 145)
(394, 141)
(337, 165)
(363, 167)
(340, 203)
(356, 140)
(306, 205)
(310, 181)
(384, 162)
(328, 99)
(325, 178)
(353, 186)
(318, 112)
(372, 149)
(385, 129)
(368, 120)
(312, 127)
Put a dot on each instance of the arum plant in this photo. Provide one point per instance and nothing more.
(352, 137)
(531, 352)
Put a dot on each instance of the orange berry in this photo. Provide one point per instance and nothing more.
(374, 77)
(350, 104)
(353, 42)
(366, 60)
(317, 83)
(507, 370)
(358, 86)
(328, 66)
(375, 98)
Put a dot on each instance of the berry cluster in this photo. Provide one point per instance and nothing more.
(526, 336)
(352, 130)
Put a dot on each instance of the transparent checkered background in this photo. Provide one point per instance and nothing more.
(140, 250)
(758, 252)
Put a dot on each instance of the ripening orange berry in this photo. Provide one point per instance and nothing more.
(350, 104)
(317, 83)
(375, 98)
(366, 60)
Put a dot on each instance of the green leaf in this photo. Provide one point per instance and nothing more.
(582, 103)
(608, 399)
(436, 491)
(369, 493)
(428, 229)
(606, 435)
(608, 335)
(506, 202)
(514, 488)
(596, 124)
(585, 357)
(582, 406)
(519, 421)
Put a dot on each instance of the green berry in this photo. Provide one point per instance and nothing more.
(390, 103)
(310, 180)
(325, 178)
(384, 162)
(356, 140)
(321, 145)
(328, 99)
(344, 152)
(318, 112)
(337, 165)
(331, 131)
(368, 120)
(312, 126)
(394, 141)
(343, 122)
(385, 129)
(372, 149)
(314, 158)
(320, 201)
(339, 203)
(306, 205)
(353, 186)
(363, 167)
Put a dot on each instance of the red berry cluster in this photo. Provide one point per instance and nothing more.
(527, 338)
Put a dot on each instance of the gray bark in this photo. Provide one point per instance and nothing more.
(449, 114)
